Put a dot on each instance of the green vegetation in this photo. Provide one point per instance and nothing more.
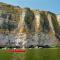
(32, 54)
(11, 14)
(44, 21)
(29, 17)
(55, 23)
(10, 26)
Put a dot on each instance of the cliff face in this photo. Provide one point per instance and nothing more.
(58, 19)
(26, 27)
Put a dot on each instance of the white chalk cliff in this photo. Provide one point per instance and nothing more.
(25, 27)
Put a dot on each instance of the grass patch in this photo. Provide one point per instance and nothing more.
(32, 54)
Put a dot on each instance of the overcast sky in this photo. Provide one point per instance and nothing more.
(49, 5)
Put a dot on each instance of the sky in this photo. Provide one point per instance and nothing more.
(48, 5)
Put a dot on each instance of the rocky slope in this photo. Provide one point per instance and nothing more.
(25, 27)
(58, 18)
